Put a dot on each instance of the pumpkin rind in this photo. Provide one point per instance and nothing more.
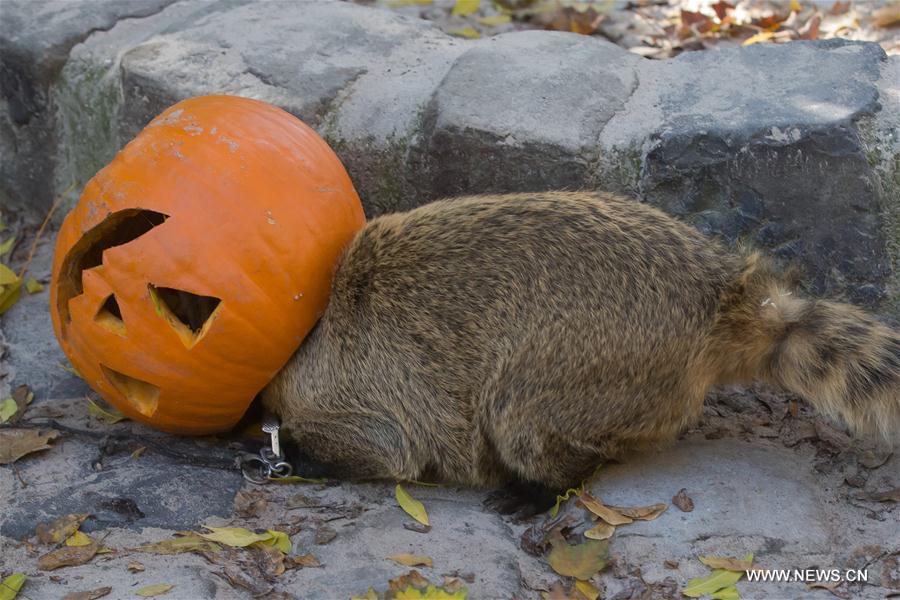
(257, 211)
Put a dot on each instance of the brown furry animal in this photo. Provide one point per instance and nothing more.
(522, 339)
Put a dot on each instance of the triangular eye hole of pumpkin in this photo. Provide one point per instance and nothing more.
(143, 396)
(110, 316)
(191, 315)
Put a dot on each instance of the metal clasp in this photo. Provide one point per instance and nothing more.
(270, 463)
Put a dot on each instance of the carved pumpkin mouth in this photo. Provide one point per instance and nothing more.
(116, 229)
(143, 396)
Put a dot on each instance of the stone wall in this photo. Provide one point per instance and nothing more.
(793, 148)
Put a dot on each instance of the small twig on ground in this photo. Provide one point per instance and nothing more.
(40, 231)
(18, 475)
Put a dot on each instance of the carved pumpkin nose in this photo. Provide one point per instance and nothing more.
(195, 263)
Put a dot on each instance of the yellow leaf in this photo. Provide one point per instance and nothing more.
(587, 589)
(278, 539)
(111, 416)
(759, 37)
(494, 20)
(186, 543)
(59, 529)
(399, 3)
(371, 594)
(606, 513)
(78, 538)
(411, 560)
(728, 593)
(729, 564)
(602, 531)
(70, 369)
(560, 499)
(581, 561)
(711, 584)
(237, 537)
(465, 7)
(796, 6)
(466, 32)
(33, 286)
(157, 589)
(430, 593)
(413, 507)
(7, 245)
(9, 587)
(10, 288)
(7, 409)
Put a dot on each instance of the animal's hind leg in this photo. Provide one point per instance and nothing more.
(565, 399)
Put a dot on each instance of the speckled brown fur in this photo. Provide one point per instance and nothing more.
(493, 339)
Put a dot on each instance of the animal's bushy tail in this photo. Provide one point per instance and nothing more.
(838, 358)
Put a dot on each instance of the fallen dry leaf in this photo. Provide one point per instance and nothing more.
(185, 543)
(712, 583)
(581, 561)
(683, 501)
(59, 529)
(413, 507)
(10, 288)
(109, 415)
(411, 560)
(237, 537)
(601, 531)
(306, 561)
(738, 565)
(68, 556)
(157, 589)
(88, 595)
(324, 534)
(886, 16)
(641, 513)
(135, 567)
(249, 503)
(413, 586)
(587, 589)
(597, 507)
(270, 560)
(886, 496)
(16, 443)
(726, 593)
(10, 586)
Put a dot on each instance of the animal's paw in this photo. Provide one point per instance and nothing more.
(524, 500)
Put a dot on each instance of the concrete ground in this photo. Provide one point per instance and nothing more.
(765, 476)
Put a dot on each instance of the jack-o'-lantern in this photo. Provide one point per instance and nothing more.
(196, 262)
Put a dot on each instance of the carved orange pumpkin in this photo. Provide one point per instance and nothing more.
(196, 262)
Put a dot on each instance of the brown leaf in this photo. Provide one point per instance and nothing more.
(886, 496)
(16, 443)
(240, 572)
(839, 8)
(417, 527)
(59, 529)
(249, 503)
(68, 556)
(411, 560)
(601, 531)
(670, 564)
(324, 534)
(412, 579)
(581, 561)
(89, 595)
(597, 507)
(886, 16)
(270, 561)
(558, 592)
(641, 513)
(722, 9)
(683, 501)
(306, 561)
(135, 567)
